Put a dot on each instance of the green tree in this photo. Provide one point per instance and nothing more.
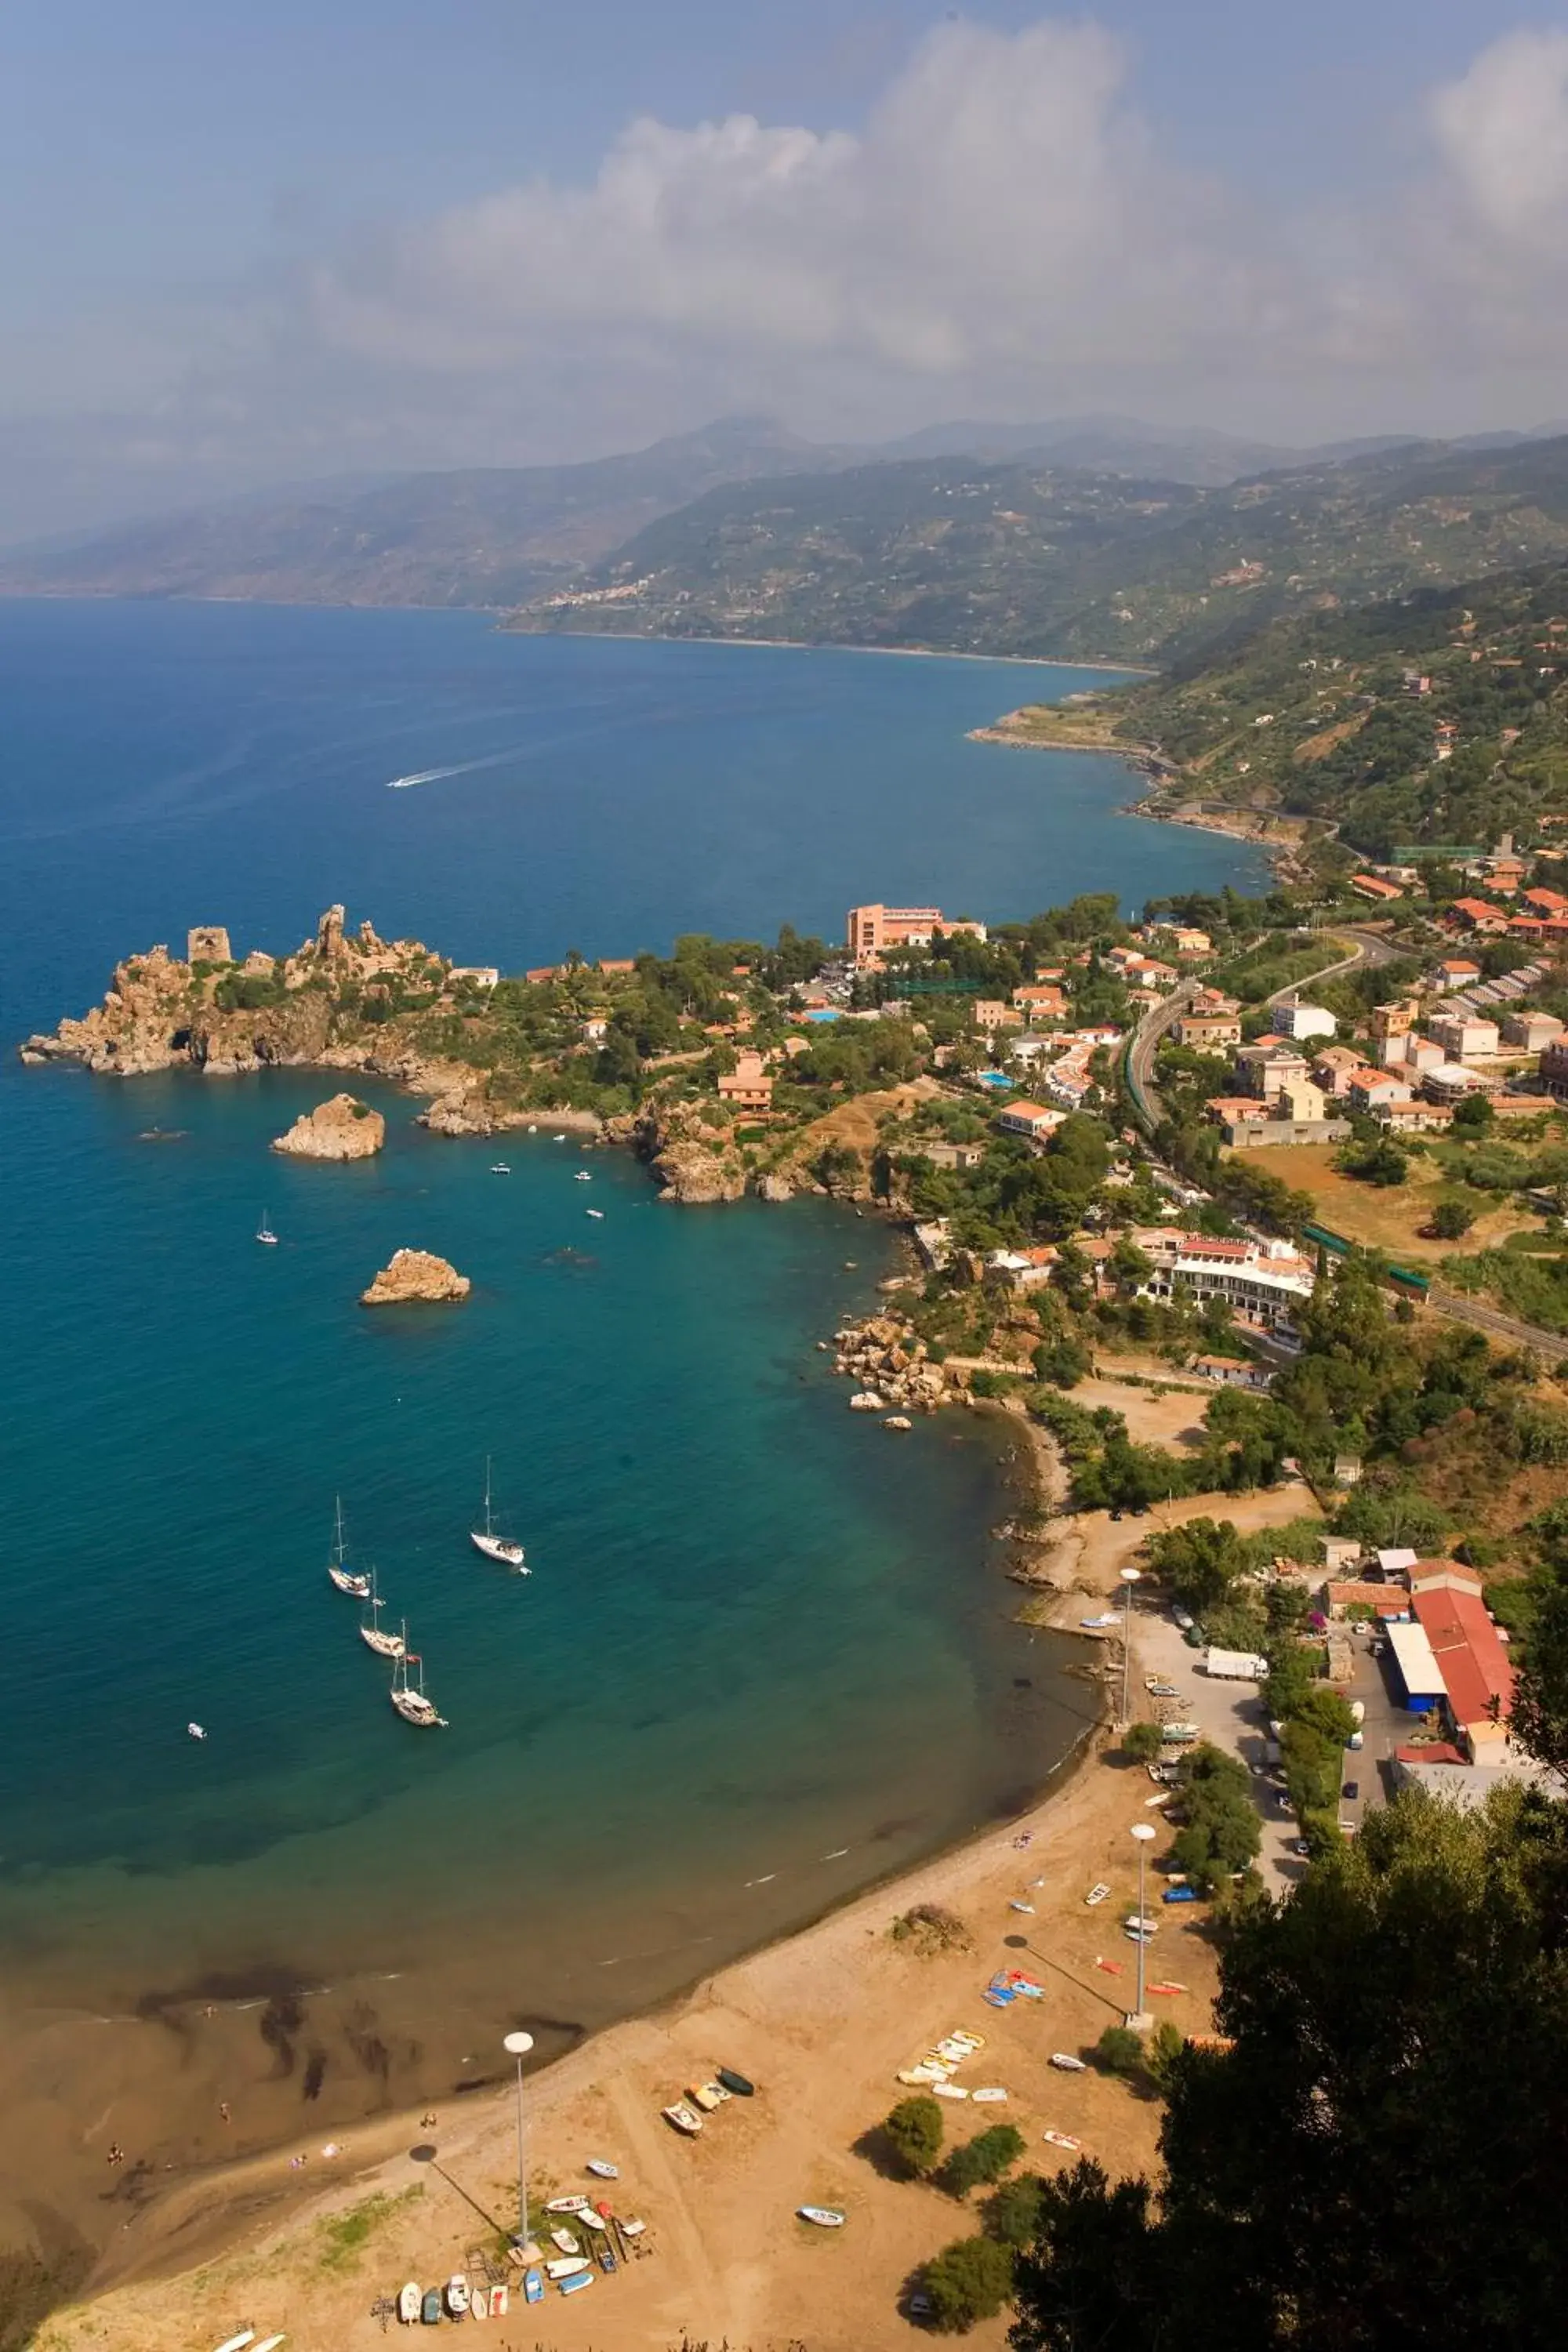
(1091, 2282)
(1142, 1742)
(1450, 1220)
(982, 2161)
(914, 2132)
(1012, 2212)
(1474, 1115)
(1200, 1560)
(968, 2282)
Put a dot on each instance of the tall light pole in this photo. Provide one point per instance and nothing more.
(1143, 1831)
(1129, 1579)
(518, 2046)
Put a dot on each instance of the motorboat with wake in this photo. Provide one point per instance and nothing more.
(409, 1698)
(502, 1548)
(265, 1234)
(346, 1578)
(385, 1645)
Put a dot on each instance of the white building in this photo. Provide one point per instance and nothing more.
(1462, 1037)
(1299, 1021)
(1262, 1282)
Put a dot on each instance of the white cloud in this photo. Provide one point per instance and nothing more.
(1004, 209)
(1503, 131)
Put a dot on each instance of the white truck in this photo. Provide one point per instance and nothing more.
(1234, 1665)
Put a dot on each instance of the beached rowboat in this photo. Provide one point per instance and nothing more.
(1097, 1895)
(1068, 2062)
(826, 2217)
(408, 2300)
(571, 2268)
(991, 2095)
(738, 2083)
(684, 2118)
(567, 2205)
(566, 2241)
(602, 2167)
(1062, 2139)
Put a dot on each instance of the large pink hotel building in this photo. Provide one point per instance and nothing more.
(870, 929)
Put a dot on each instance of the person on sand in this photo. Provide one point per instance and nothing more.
(223, 2109)
(427, 2120)
(116, 2153)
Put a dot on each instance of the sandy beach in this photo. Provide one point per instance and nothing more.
(822, 2024)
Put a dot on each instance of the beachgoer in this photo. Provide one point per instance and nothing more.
(427, 2120)
(223, 2109)
(116, 2153)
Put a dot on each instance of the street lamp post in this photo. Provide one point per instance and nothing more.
(1129, 1579)
(518, 2045)
(1143, 1831)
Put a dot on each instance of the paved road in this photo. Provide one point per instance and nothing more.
(1368, 947)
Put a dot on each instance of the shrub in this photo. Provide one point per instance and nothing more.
(983, 2160)
(1120, 2051)
(914, 2131)
(1142, 1742)
(1012, 2213)
(967, 2282)
(931, 1929)
(1451, 1220)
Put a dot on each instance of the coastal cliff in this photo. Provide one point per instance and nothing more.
(342, 1129)
(416, 1276)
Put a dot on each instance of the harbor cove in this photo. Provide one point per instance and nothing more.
(766, 1655)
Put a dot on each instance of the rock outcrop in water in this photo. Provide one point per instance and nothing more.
(342, 1129)
(415, 1274)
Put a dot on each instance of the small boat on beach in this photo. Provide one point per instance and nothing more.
(458, 2295)
(502, 1548)
(1097, 1894)
(566, 2241)
(991, 2096)
(592, 2220)
(1062, 2139)
(707, 2097)
(824, 2216)
(1068, 2062)
(408, 2302)
(602, 2168)
(682, 2118)
(499, 2299)
(385, 1645)
(410, 1699)
(270, 2343)
(567, 2205)
(346, 1578)
(238, 2343)
(632, 2229)
(567, 2268)
(948, 2091)
(737, 2083)
(578, 2279)
(430, 2307)
(532, 2287)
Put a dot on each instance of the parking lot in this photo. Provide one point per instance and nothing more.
(1231, 1715)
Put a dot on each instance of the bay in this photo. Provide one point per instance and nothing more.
(765, 1655)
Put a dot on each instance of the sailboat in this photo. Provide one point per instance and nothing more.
(411, 1702)
(342, 1576)
(500, 1548)
(264, 1233)
(385, 1645)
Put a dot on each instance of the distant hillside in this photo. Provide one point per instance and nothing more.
(1013, 557)
(1436, 717)
(488, 537)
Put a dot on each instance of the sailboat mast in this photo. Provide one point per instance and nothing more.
(489, 1529)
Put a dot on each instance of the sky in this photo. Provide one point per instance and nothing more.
(245, 242)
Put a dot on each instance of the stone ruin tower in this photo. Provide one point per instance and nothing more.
(207, 943)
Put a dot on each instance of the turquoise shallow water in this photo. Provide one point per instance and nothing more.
(765, 1655)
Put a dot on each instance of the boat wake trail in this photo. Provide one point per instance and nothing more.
(461, 768)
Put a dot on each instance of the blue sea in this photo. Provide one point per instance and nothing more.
(765, 1655)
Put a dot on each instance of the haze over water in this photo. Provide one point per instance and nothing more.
(765, 1655)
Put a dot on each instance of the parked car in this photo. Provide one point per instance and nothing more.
(1180, 1617)
(1299, 1846)
(1180, 1895)
(1351, 1791)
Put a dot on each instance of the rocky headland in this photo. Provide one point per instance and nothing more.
(341, 1128)
(416, 1276)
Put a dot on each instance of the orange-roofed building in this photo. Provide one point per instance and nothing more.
(749, 1085)
(1373, 886)
(1479, 915)
(617, 964)
(1476, 1677)
(541, 972)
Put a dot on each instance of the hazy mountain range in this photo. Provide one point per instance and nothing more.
(1096, 534)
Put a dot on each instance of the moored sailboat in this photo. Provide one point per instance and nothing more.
(410, 1699)
(495, 1547)
(385, 1645)
(346, 1578)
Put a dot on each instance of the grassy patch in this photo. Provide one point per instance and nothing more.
(343, 2240)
